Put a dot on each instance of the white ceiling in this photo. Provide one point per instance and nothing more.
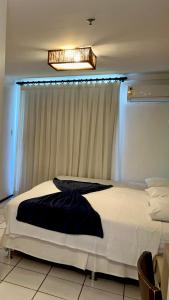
(128, 35)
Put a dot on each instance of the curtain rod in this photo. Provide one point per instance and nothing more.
(122, 79)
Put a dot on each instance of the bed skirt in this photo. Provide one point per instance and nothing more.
(67, 256)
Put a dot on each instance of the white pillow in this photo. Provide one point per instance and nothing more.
(157, 181)
(159, 209)
(160, 191)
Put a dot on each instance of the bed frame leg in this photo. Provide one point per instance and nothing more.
(93, 275)
(9, 254)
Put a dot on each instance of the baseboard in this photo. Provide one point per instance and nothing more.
(6, 198)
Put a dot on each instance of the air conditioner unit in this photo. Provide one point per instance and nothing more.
(148, 93)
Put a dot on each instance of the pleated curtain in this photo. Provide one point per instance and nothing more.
(65, 130)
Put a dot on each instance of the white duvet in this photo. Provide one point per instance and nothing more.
(128, 228)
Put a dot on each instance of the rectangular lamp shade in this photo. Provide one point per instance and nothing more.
(72, 59)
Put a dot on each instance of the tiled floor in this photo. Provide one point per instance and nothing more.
(26, 278)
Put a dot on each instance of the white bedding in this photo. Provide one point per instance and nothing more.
(128, 228)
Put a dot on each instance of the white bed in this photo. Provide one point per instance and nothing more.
(128, 230)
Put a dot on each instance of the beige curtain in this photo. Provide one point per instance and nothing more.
(65, 130)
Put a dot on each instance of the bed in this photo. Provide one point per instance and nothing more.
(128, 230)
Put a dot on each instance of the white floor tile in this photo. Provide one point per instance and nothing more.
(89, 293)
(16, 257)
(34, 265)
(41, 296)
(106, 285)
(67, 274)
(25, 278)
(61, 288)
(13, 292)
(4, 270)
(132, 291)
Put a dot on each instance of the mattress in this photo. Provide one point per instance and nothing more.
(128, 228)
(133, 185)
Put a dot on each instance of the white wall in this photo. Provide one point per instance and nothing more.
(10, 111)
(144, 137)
(3, 7)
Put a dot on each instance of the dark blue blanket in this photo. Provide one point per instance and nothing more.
(67, 211)
(79, 186)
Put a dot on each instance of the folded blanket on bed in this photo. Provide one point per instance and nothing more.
(67, 211)
(79, 186)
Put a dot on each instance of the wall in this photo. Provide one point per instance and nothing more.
(11, 96)
(3, 7)
(144, 134)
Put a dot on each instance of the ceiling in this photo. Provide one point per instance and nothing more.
(128, 36)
